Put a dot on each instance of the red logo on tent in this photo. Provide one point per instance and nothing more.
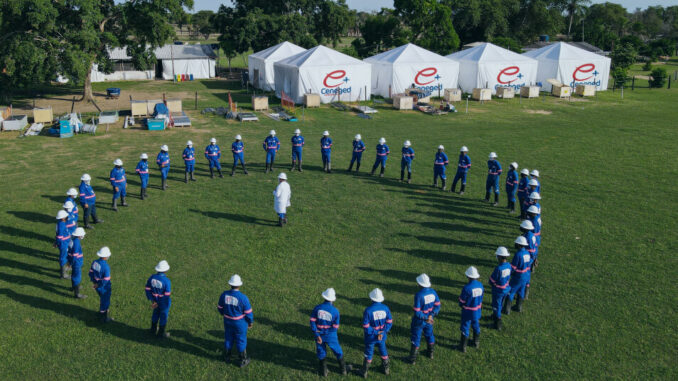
(427, 73)
(336, 75)
(586, 68)
(509, 71)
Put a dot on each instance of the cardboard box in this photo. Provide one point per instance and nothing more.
(482, 94)
(43, 115)
(138, 108)
(420, 97)
(311, 100)
(562, 91)
(173, 105)
(586, 90)
(530, 91)
(452, 95)
(150, 106)
(403, 102)
(506, 92)
(259, 103)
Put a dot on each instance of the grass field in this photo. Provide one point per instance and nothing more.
(603, 302)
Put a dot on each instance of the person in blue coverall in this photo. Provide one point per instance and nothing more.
(326, 151)
(492, 182)
(238, 150)
(512, 187)
(406, 161)
(75, 260)
(189, 161)
(297, 149)
(119, 183)
(62, 240)
(158, 292)
(357, 154)
(213, 156)
(382, 156)
(463, 165)
(100, 275)
(324, 323)
(500, 284)
(523, 191)
(72, 220)
(377, 322)
(88, 201)
(236, 309)
(471, 303)
(271, 146)
(440, 167)
(534, 175)
(142, 171)
(426, 308)
(72, 194)
(163, 162)
(520, 276)
(534, 216)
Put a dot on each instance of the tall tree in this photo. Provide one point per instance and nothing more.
(430, 23)
(573, 7)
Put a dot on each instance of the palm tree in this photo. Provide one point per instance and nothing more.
(574, 6)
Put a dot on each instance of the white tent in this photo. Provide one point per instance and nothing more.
(571, 65)
(321, 70)
(490, 66)
(401, 68)
(260, 64)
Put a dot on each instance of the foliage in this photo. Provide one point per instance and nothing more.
(623, 56)
(605, 24)
(647, 66)
(380, 32)
(508, 43)
(429, 23)
(620, 76)
(201, 22)
(658, 77)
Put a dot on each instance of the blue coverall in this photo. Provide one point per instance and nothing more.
(159, 290)
(100, 275)
(406, 161)
(163, 161)
(512, 185)
(118, 180)
(297, 147)
(357, 155)
(520, 275)
(75, 259)
(189, 159)
(238, 149)
(538, 189)
(426, 303)
(463, 165)
(213, 154)
(523, 189)
(382, 156)
(493, 173)
(471, 303)
(62, 241)
(377, 320)
(271, 145)
(142, 171)
(500, 286)
(88, 200)
(72, 221)
(75, 212)
(324, 324)
(440, 166)
(235, 307)
(326, 149)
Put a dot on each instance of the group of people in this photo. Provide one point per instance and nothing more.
(509, 281)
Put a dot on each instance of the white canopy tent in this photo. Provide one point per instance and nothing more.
(260, 64)
(411, 66)
(571, 65)
(321, 70)
(490, 66)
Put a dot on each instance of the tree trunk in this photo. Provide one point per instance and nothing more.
(569, 28)
(87, 94)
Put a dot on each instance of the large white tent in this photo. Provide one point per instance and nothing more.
(260, 64)
(411, 66)
(321, 70)
(571, 65)
(490, 66)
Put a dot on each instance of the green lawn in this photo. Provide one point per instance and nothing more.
(603, 302)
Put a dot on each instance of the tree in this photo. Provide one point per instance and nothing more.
(573, 7)
(607, 23)
(430, 24)
(623, 56)
(380, 32)
(201, 22)
(658, 77)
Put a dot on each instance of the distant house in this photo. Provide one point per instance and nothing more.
(196, 60)
(581, 45)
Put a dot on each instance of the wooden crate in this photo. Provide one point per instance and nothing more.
(419, 99)
(150, 106)
(506, 92)
(529, 91)
(585, 90)
(452, 95)
(403, 102)
(311, 100)
(259, 103)
(482, 94)
(43, 115)
(138, 108)
(561, 91)
(174, 105)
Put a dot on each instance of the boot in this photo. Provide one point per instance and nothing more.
(87, 225)
(453, 187)
(387, 366)
(280, 222)
(324, 166)
(381, 173)
(227, 356)
(64, 273)
(233, 170)
(495, 320)
(77, 294)
(350, 167)
(97, 220)
(357, 168)
(431, 348)
(463, 343)
(267, 166)
(162, 334)
(435, 181)
(487, 196)
(244, 360)
(499, 324)
(527, 292)
(141, 194)
(285, 220)
(244, 169)
(463, 187)
(519, 305)
(402, 175)
(293, 165)
(365, 369)
(192, 178)
(114, 205)
(164, 184)
(272, 161)
(322, 368)
(512, 207)
(221, 175)
(186, 177)
(212, 172)
(476, 339)
(409, 177)
(154, 328)
(373, 169)
(299, 166)
(343, 368)
(414, 351)
(506, 308)
(496, 199)
(123, 201)
(329, 167)
(444, 184)
(105, 318)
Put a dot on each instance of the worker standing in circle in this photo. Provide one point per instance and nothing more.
(189, 161)
(326, 151)
(406, 161)
(271, 146)
(382, 156)
(213, 156)
(357, 155)
(297, 149)
(492, 182)
(163, 161)
(142, 171)
(238, 149)
(463, 165)
(119, 183)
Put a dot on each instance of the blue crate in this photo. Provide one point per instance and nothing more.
(155, 124)
(65, 129)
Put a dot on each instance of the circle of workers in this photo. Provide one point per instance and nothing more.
(509, 280)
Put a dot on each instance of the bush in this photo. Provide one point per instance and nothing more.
(658, 77)
(647, 66)
(620, 77)
(508, 43)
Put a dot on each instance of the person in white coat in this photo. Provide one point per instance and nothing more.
(282, 195)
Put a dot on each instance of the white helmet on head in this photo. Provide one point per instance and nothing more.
(382, 140)
(162, 266)
(189, 143)
(238, 137)
(85, 177)
(472, 273)
(502, 252)
(282, 176)
(72, 192)
(522, 241)
(493, 155)
(79, 232)
(326, 133)
(535, 196)
(527, 225)
(272, 132)
(164, 147)
(376, 295)
(533, 182)
(117, 163)
(213, 140)
(68, 206)
(535, 173)
(104, 252)
(514, 165)
(463, 149)
(407, 143)
(533, 209)
(144, 156)
(297, 131)
(358, 137)
(61, 214)
(330, 295)
(423, 280)
(235, 281)
(525, 171)
(442, 147)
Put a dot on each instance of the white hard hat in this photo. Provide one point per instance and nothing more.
(326, 133)
(535, 196)
(72, 192)
(117, 162)
(407, 143)
(61, 214)
(144, 156)
(527, 225)
(514, 165)
(525, 171)
(533, 209)
(441, 147)
(376, 295)
(282, 176)
(534, 182)
(189, 143)
(162, 266)
(164, 147)
(213, 140)
(79, 232)
(330, 295)
(104, 252)
(535, 173)
(493, 155)
(382, 140)
(522, 241)
(297, 131)
(85, 177)
(68, 205)
(423, 280)
(502, 252)
(472, 273)
(235, 281)
(463, 149)
(272, 132)
(358, 137)
(238, 137)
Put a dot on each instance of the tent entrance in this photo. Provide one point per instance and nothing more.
(255, 80)
(158, 69)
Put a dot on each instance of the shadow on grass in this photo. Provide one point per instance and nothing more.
(235, 217)
(16, 232)
(39, 270)
(42, 285)
(33, 216)
(450, 241)
(410, 277)
(58, 199)
(445, 257)
(14, 248)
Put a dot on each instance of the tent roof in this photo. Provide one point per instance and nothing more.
(408, 53)
(166, 52)
(488, 52)
(320, 56)
(562, 51)
(280, 51)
